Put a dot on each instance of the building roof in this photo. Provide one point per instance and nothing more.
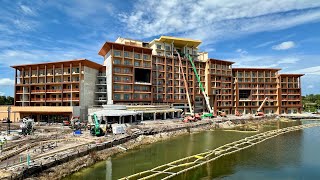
(180, 41)
(297, 75)
(218, 60)
(84, 62)
(107, 46)
(253, 68)
(114, 112)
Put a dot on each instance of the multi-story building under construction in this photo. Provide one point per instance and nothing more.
(150, 73)
(140, 73)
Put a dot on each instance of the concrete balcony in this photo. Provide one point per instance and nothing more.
(71, 90)
(38, 99)
(54, 99)
(101, 91)
(101, 83)
(71, 99)
(54, 90)
(38, 91)
(101, 99)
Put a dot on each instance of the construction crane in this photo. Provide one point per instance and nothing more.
(258, 113)
(185, 83)
(210, 109)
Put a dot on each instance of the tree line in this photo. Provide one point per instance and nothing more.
(6, 100)
(311, 102)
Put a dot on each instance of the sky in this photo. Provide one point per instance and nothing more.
(253, 33)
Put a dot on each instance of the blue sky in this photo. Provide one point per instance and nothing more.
(253, 33)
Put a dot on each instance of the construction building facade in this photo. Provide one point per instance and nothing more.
(140, 73)
(150, 73)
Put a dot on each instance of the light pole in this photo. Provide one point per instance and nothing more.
(8, 120)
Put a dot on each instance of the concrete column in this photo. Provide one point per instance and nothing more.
(164, 115)
(119, 119)
(172, 115)
(141, 116)
(130, 119)
(154, 116)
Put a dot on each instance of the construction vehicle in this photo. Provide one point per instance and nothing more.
(238, 113)
(192, 118)
(185, 84)
(210, 114)
(222, 114)
(95, 128)
(27, 126)
(259, 113)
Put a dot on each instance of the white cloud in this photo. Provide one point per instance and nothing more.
(265, 61)
(25, 25)
(214, 20)
(288, 60)
(6, 82)
(2, 93)
(310, 86)
(315, 70)
(27, 10)
(284, 45)
(241, 51)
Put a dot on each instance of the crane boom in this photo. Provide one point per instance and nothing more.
(96, 124)
(200, 84)
(259, 109)
(185, 83)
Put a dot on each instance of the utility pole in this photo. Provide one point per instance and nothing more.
(8, 120)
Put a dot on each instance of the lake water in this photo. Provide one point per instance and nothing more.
(290, 156)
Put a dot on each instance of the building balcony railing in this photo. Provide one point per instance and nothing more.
(102, 74)
(134, 99)
(122, 90)
(54, 90)
(101, 99)
(101, 91)
(54, 99)
(38, 91)
(71, 99)
(37, 99)
(101, 82)
(21, 92)
(69, 90)
(121, 81)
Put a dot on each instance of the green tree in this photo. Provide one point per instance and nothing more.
(311, 102)
(6, 100)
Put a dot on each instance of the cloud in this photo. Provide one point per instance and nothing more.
(215, 20)
(284, 45)
(6, 82)
(310, 86)
(2, 93)
(289, 60)
(315, 70)
(265, 61)
(241, 51)
(27, 10)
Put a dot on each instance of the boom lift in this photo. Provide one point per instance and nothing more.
(96, 130)
(185, 83)
(210, 109)
(258, 113)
